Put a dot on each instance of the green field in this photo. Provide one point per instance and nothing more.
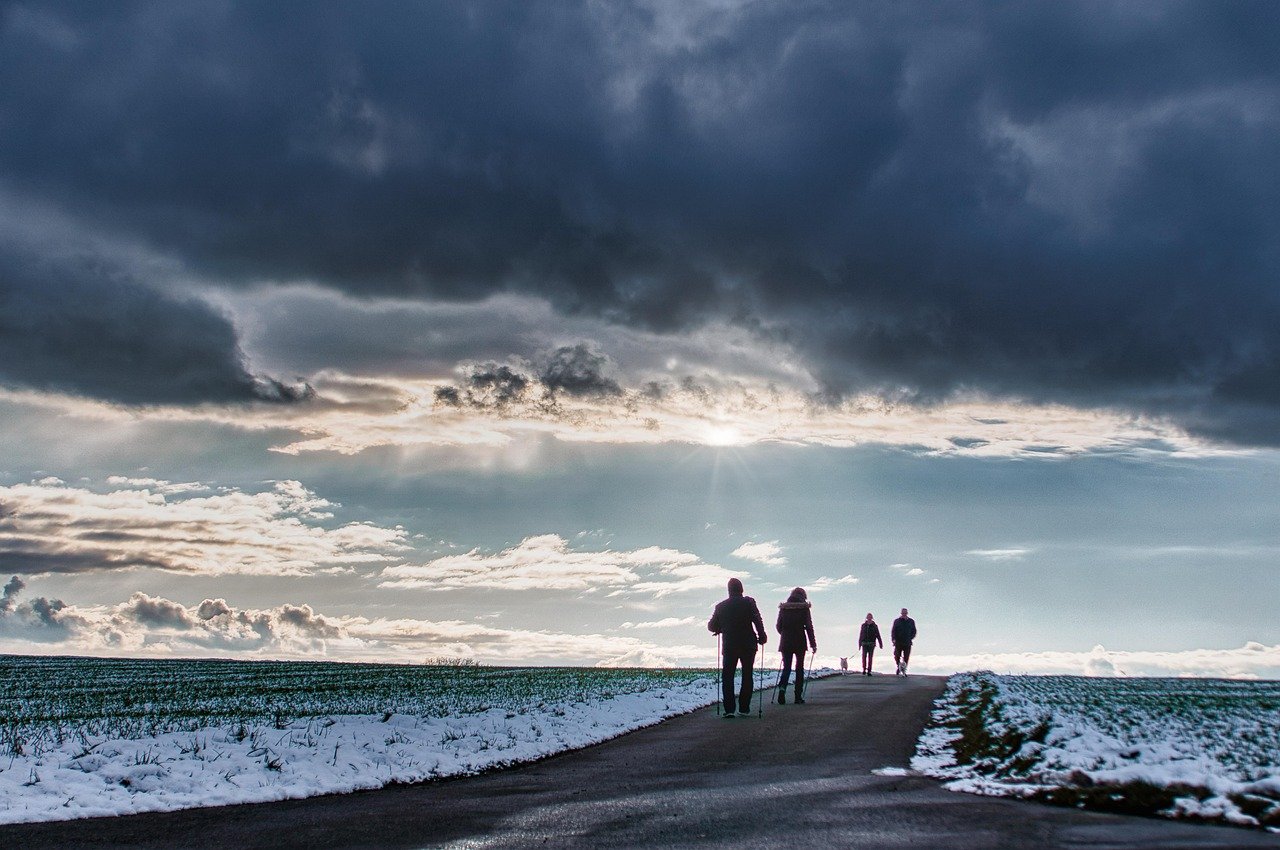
(45, 698)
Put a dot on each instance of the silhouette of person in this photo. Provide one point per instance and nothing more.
(795, 623)
(737, 620)
(902, 634)
(868, 637)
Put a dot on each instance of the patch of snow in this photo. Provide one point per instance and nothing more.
(891, 771)
(322, 755)
(1219, 737)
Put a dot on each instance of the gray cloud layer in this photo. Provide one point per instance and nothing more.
(81, 327)
(1072, 202)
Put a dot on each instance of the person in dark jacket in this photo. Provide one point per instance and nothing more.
(738, 622)
(868, 637)
(902, 634)
(795, 623)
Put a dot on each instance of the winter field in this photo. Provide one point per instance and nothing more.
(81, 737)
(1204, 749)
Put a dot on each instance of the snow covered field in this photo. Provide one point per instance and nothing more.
(84, 737)
(1185, 748)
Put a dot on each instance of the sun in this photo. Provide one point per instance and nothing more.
(723, 435)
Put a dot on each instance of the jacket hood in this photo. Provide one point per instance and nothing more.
(792, 606)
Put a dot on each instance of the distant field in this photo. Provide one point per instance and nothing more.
(1189, 748)
(44, 697)
(81, 737)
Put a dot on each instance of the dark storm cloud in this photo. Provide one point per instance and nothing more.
(79, 326)
(1061, 202)
(578, 370)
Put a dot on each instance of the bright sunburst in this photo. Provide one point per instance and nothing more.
(723, 435)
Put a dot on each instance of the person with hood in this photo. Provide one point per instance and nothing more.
(868, 637)
(902, 634)
(795, 623)
(738, 622)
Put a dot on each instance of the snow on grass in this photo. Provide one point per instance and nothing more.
(89, 737)
(1206, 749)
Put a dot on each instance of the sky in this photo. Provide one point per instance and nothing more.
(511, 331)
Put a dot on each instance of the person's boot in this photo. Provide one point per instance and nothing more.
(799, 699)
(782, 695)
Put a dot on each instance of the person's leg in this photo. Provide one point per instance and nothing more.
(748, 686)
(786, 671)
(871, 657)
(729, 662)
(906, 658)
(800, 677)
(897, 658)
(865, 651)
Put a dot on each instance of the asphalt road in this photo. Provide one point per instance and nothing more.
(801, 776)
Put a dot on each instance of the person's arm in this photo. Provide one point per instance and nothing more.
(763, 636)
(878, 640)
(808, 627)
(713, 625)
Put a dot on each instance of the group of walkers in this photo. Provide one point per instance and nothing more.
(740, 627)
(903, 633)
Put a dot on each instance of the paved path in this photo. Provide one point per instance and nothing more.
(801, 776)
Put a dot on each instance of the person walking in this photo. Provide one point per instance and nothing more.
(738, 622)
(795, 623)
(868, 637)
(902, 634)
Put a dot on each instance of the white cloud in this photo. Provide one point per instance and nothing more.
(664, 623)
(1250, 661)
(767, 552)
(1000, 554)
(547, 562)
(826, 582)
(47, 527)
(158, 485)
(908, 570)
(682, 578)
(146, 625)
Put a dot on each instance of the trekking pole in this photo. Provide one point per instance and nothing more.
(760, 679)
(808, 676)
(717, 675)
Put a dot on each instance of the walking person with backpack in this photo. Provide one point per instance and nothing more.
(795, 623)
(902, 634)
(868, 637)
(738, 622)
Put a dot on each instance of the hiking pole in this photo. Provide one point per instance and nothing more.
(804, 690)
(718, 676)
(760, 679)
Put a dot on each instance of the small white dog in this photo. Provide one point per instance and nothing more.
(844, 666)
